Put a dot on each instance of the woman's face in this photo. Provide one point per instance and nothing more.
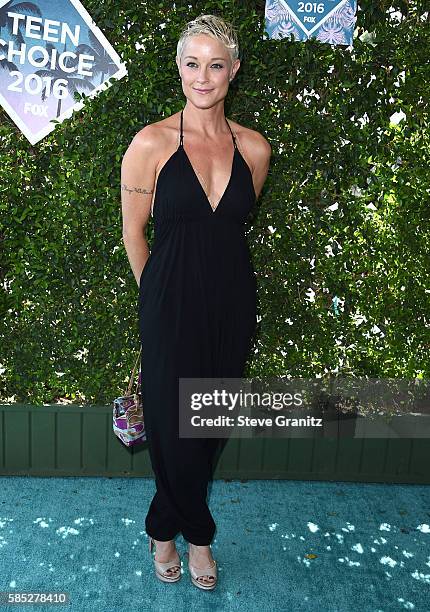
(206, 70)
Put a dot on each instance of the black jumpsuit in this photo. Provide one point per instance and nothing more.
(197, 316)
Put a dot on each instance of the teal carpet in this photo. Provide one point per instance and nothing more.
(280, 545)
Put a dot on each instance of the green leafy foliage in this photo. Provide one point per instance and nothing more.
(344, 213)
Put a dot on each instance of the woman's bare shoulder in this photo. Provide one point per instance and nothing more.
(255, 146)
(158, 135)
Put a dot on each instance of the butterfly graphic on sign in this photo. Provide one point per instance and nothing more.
(329, 21)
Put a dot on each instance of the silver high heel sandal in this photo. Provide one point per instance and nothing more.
(161, 568)
(210, 572)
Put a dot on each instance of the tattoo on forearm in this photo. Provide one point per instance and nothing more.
(124, 187)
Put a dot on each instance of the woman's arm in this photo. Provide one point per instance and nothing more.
(137, 185)
(256, 151)
(261, 154)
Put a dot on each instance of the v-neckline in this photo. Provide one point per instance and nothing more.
(181, 145)
(201, 186)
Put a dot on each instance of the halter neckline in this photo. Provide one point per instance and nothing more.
(235, 151)
(237, 158)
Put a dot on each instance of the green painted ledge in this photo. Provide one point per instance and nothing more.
(72, 440)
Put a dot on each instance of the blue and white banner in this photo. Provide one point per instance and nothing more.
(49, 50)
(329, 21)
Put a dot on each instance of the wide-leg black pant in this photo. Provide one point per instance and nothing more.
(183, 337)
(182, 467)
(180, 502)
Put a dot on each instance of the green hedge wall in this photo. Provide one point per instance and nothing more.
(344, 214)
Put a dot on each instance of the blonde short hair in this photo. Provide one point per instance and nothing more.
(213, 26)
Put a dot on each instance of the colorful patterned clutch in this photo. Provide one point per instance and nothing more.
(128, 423)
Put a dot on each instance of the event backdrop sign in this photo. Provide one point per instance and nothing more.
(329, 21)
(48, 51)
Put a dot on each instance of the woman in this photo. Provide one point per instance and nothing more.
(197, 291)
